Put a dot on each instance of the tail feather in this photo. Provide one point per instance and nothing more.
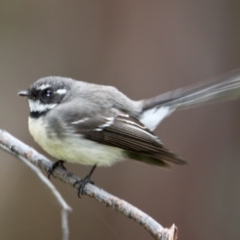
(225, 87)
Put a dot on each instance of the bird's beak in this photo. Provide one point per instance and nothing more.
(23, 94)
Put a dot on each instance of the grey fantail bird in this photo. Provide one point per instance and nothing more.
(97, 125)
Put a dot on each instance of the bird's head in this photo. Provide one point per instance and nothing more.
(46, 93)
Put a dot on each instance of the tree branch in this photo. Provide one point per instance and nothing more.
(65, 207)
(23, 151)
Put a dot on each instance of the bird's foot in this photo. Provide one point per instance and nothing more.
(58, 163)
(83, 182)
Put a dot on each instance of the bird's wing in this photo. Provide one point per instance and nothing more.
(115, 128)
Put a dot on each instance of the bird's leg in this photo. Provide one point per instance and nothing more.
(58, 163)
(82, 183)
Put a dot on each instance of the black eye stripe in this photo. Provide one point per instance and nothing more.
(48, 94)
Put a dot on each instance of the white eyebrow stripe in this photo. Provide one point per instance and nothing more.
(81, 120)
(43, 86)
(61, 91)
(37, 106)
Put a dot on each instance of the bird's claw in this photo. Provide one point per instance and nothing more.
(83, 182)
(58, 163)
(81, 185)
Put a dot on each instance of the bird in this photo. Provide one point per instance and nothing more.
(97, 125)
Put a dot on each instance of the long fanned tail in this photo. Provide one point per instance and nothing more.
(222, 88)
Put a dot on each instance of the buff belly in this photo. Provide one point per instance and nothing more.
(73, 148)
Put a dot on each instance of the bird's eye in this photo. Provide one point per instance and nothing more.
(48, 93)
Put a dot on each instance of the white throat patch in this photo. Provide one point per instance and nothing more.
(37, 106)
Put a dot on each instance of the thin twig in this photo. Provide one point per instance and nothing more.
(21, 150)
(65, 207)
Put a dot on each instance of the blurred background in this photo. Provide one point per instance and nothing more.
(144, 48)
